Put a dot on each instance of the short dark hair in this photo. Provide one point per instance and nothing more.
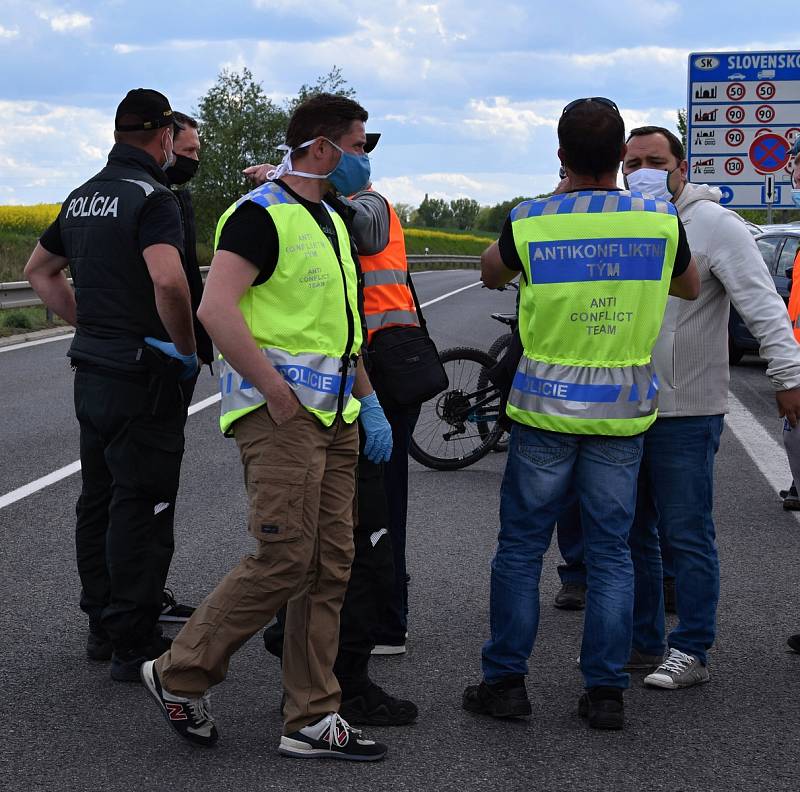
(323, 115)
(141, 138)
(591, 136)
(675, 145)
(182, 121)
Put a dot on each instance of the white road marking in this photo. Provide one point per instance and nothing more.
(26, 344)
(74, 467)
(39, 484)
(767, 454)
(449, 294)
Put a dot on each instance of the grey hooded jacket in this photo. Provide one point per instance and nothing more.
(691, 354)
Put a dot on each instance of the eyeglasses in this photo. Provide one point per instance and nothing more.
(601, 99)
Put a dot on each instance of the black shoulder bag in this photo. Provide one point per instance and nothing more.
(404, 363)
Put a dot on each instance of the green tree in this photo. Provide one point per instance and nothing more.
(333, 82)
(464, 211)
(434, 213)
(493, 217)
(682, 126)
(239, 126)
(404, 212)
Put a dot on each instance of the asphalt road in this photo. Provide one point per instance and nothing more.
(67, 726)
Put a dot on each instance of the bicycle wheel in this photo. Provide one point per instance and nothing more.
(498, 348)
(447, 436)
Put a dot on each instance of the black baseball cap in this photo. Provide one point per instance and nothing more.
(142, 109)
(372, 141)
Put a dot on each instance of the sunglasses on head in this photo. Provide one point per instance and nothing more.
(601, 99)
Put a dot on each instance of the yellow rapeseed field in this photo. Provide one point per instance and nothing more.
(429, 233)
(27, 219)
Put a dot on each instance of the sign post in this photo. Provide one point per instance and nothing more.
(743, 115)
(769, 194)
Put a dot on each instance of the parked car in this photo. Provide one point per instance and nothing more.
(778, 245)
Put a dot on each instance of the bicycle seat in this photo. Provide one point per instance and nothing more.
(506, 318)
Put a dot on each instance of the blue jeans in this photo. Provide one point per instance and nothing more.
(569, 535)
(542, 469)
(675, 500)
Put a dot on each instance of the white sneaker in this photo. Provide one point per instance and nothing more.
(331, 736)
(678, 670)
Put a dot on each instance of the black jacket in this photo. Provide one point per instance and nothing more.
(99, 224)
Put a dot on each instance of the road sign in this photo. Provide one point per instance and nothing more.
(743, 114)
(769, 153)
(769, 188)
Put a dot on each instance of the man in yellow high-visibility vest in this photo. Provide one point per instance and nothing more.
(596, 266)
(282, 305)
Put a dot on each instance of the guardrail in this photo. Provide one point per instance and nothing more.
(19, 294)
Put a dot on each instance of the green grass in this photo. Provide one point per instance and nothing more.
(16, 321)
(15, 249)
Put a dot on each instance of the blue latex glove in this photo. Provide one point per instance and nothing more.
(190, 363)
(378, 447)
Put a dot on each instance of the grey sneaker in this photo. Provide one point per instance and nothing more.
(678, 670)
(639, 661)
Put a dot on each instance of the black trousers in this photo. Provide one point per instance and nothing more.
(131, 446)
(394, 619)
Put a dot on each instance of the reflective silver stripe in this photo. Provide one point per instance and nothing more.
(383, 276)
(797, 321)
(315, 379)
(584, 392)
(148, 188)
(377, 320)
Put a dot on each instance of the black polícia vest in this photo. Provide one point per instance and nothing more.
(99, 224)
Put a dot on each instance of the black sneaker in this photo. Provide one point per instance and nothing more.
(571, 596)
(791, 500)
(794, 643)
(191, 718)
(98, 645)
(639, 661)
(507, 698)
(172, 611)
(603, 707)
(669, 595)
(375, 707)
(125, 663)
(334, 737)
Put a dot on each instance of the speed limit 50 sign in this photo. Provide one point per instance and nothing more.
(743, 115)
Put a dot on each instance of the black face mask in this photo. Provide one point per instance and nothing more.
(183, 169)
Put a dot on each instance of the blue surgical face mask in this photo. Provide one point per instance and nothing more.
(351, 174)
(796, 196)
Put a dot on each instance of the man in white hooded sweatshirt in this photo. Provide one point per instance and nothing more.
(691, 357)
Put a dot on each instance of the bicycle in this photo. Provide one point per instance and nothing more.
(461, 425)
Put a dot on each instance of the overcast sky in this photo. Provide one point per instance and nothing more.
(466, 94)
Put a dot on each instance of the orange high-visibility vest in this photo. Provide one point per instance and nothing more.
(794, 298)
(387, 299)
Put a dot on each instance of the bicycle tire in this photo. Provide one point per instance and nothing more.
(498, 348)
(438, 416)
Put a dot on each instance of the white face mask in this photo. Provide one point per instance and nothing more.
(169, 160)
(650, 181)
(285, 168)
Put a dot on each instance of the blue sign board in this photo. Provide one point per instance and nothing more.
(743, 114)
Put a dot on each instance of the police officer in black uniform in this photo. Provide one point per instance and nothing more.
(121, 235)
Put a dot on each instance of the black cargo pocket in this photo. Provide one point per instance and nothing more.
(275, 496)
(158, 458)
